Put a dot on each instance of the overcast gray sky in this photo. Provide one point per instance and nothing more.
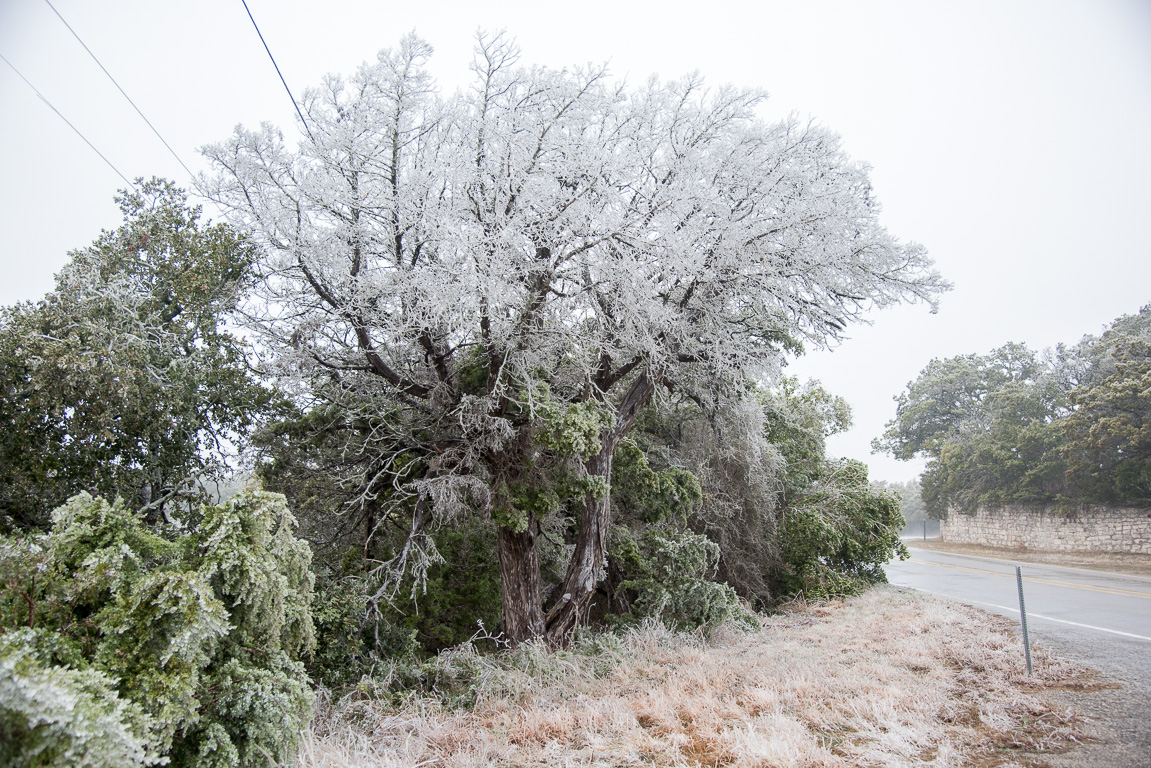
(1012, 138)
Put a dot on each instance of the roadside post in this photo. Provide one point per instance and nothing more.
(1023, 617)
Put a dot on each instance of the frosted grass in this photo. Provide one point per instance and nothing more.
(884, 679)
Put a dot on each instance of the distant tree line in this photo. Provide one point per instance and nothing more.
(910, 497)
(1071, 425)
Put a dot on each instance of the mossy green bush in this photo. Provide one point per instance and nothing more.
(121, 647)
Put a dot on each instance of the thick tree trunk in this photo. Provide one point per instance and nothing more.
(618, 600)
(572, 599)
(520, 584)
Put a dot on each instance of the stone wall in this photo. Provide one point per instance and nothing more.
(1086, 529)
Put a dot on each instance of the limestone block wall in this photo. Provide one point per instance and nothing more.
(1087, 529)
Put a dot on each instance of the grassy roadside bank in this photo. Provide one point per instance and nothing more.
(889, 678)
(1115, 562)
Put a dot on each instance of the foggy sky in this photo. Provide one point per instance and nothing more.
(1012, 139)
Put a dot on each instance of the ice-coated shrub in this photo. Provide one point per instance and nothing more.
(661, 569)
(119, 647)
(675, 583)
(838, 535)
(248, 552)
(261, 703)
(55, 715)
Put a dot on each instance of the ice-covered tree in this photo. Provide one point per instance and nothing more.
(491, 285)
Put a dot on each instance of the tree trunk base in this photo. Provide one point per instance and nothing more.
(523, 616)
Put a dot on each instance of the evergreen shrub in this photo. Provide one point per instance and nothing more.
(122, 647)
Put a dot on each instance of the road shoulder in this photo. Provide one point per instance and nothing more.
(1116, 730)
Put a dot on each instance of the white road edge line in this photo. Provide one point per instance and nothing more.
(1033, 615)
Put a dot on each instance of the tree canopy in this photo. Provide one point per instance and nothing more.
(125, 379)
(488, 287)
(1068, 426)
(1108, 433)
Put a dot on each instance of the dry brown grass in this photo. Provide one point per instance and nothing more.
(885, 679)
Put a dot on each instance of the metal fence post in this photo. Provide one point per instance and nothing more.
(1023, 617)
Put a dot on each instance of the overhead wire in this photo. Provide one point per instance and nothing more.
(278, 72)
(122, 92)
(61, 116)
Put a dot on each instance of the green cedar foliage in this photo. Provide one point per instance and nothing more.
(461, 594)
(775, 517)
(125, 379)
(458, 599)
(672, 576)
(127, 648)
(659, 568)
(55, 715)
(550, 478)
(838, 533)
(798, 419)
(724, 447)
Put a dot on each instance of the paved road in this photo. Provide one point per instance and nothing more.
(1100, 619)
(1109, 606)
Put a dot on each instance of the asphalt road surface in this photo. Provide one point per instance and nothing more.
(1099, 619)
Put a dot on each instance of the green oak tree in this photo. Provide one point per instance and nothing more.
(1108, 434)
(1068, 426)
(950, 396)
(125, 380)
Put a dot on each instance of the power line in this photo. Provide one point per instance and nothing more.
(125, 95)
(74, 128)
(277, 66)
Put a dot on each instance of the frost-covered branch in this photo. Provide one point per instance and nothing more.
(452, 266)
